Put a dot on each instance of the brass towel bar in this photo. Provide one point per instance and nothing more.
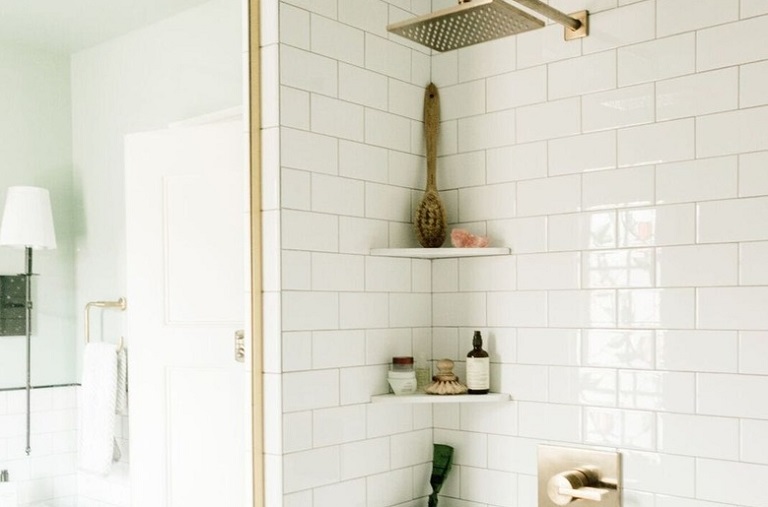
(120, 304)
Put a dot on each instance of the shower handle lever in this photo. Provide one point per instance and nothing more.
(576, 484)
(585, 493)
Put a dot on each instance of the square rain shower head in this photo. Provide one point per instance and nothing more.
(468, 23)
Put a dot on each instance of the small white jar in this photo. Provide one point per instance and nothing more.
(402, 382)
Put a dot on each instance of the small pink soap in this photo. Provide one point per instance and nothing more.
(462, 238)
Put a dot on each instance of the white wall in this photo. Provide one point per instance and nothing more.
(627, 173)
(342, 137)
(36, 147)
(47, 476)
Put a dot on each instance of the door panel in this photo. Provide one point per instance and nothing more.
(186, 292)
(199, 211)
(200, 407)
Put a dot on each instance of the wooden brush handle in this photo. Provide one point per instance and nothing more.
(431, 125)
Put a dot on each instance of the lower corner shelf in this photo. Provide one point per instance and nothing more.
(432, 398)
(439, 253)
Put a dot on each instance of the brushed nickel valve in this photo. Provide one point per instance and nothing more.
(578, 477)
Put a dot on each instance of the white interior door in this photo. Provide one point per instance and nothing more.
(186, 290)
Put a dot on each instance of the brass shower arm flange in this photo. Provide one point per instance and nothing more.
(582, 30)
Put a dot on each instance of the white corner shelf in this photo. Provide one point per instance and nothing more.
(436, 398)
(439, 253)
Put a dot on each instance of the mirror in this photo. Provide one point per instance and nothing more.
(13, 297)
(76, 76)
(36, 149)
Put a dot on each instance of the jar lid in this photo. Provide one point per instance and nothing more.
(402, 360)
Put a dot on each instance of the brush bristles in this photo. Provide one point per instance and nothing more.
(430, 221)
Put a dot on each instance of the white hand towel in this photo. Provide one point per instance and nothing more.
(98, 395)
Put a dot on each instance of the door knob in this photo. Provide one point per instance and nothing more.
(576, 484)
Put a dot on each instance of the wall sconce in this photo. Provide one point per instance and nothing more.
(28, 223)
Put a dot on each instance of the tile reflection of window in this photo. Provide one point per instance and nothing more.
(597, 386)
(601, 230)
(625, 428)
(656, 390)
(640, 391)
(637, 227)
(621, 268)
(627, 104)
(640, 308)
(585, 386)
(665, 100)
(618, 348)
(602, 308)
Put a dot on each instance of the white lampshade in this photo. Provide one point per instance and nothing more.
(27, 219)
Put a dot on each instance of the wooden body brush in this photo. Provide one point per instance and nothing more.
(429, 221)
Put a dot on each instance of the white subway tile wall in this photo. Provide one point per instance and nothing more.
(49, 475)
(628, 173)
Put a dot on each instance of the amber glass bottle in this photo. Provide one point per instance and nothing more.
(478, 367)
